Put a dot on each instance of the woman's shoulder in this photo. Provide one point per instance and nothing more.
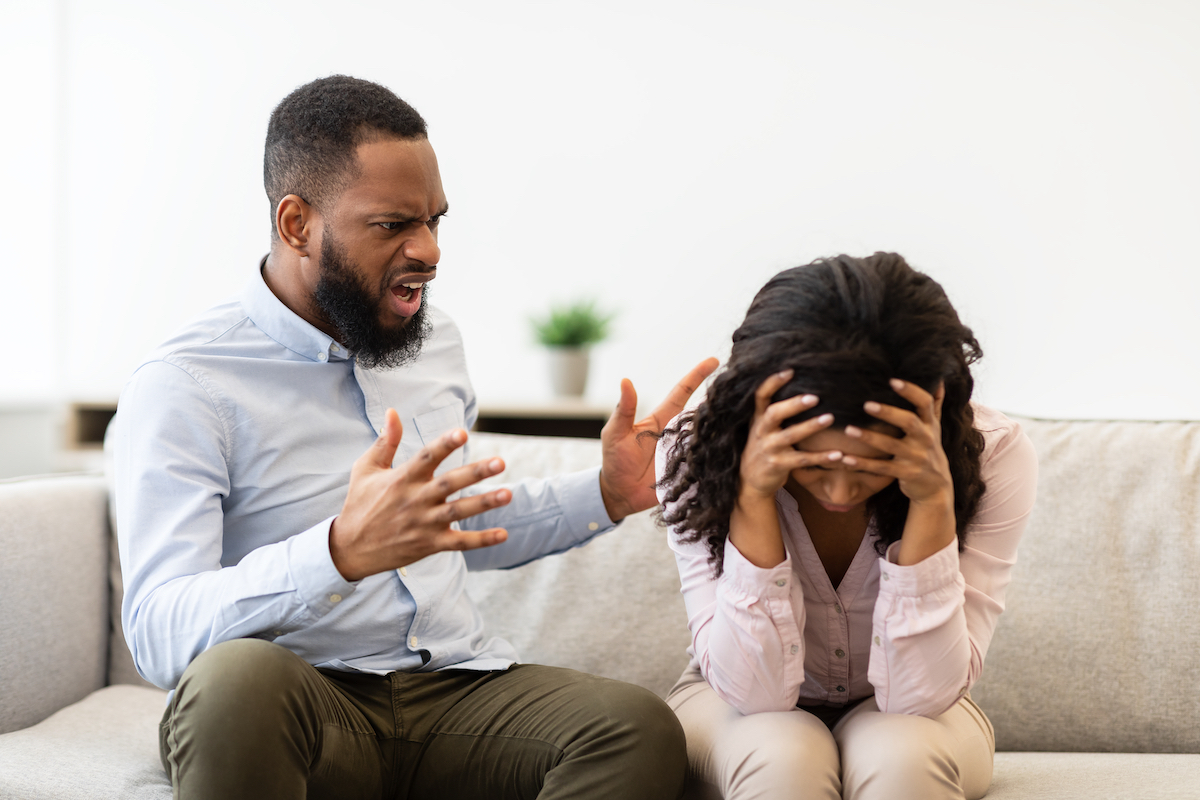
(1009, 462)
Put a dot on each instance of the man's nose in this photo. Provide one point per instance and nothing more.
(422, 246)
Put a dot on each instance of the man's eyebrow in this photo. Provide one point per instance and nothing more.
(399, 217)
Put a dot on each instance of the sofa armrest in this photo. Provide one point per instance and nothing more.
(54, 595)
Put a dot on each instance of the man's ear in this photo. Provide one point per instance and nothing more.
(294, 219)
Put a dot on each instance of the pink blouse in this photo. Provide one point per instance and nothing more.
(914, 637)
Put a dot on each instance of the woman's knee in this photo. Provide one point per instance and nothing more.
(898, 756)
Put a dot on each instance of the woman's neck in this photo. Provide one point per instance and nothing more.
(836, 535)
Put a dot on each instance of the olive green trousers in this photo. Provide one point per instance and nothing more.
(250, 719)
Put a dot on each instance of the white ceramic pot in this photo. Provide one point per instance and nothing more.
(568, 370)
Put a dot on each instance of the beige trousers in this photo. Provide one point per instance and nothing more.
(868, 755)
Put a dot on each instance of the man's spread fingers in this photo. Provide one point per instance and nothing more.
(470, 540)
(678, 396)
(458, 478)
(428, 458)
(466, 507)
(383, 450)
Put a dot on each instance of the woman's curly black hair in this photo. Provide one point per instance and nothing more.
(846, 326)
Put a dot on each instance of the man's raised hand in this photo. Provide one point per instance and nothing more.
(627, 475)
(393, 517)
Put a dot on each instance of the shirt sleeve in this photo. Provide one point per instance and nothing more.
(934, 620)
(746, 625)
(545, 516)
(170, 455)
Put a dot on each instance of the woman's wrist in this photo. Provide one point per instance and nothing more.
(929, 528)
(754, 530)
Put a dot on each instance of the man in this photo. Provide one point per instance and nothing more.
(311, 620)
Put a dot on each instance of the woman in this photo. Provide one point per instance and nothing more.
(845, 523)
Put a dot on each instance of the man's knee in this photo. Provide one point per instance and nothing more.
(240, 682)
(633, 741)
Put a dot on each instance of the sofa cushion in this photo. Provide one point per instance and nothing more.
(54, 592)
(1097, 650)
(105, 746)
(1093, 776)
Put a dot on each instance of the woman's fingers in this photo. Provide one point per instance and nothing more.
(767, 389)
(920, 398)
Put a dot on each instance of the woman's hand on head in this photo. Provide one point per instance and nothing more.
(918, 462)
(770, 454)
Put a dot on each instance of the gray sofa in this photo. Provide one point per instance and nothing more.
(1092, 680)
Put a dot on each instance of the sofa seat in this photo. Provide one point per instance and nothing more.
(117, 758)
(1096, 776)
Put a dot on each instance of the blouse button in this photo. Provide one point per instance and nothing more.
(840, 653)
(795, 649)
(841, 688)
(877, 640)
(781, 583)
(837, 608)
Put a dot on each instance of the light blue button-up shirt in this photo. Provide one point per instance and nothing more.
(232, 451)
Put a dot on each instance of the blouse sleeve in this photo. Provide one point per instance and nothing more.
(934, 620)
(746, 625)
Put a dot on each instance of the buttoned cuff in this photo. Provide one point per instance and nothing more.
(583, 505)
(753, 580)
(310, 565)
(937, 572)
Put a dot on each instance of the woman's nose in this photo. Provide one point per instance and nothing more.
(839, 489)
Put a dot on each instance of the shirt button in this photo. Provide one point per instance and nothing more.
(841, 688)
(840, 653)
(335, 598)
(781, 583)
(795, 649)
(413, 641)
(877, 640)
(334, 347)
(321, 356)
(593, 526)
(279, 633)
(837, 608)
(403, 572)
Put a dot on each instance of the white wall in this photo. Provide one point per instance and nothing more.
(1038, 158)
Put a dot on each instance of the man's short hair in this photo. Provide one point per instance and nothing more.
(315, 130)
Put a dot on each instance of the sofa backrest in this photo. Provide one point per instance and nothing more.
(53, 595)
(1099, 647)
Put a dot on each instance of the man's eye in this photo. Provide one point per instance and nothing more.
(391, 226)
(434, 221)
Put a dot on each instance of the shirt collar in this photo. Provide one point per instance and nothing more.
(285, 326)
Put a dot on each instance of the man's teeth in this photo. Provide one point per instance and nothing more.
(409, 288)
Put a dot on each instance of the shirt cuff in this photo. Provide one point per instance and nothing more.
(758, 581)
(925, 577)
(582, 504)
(310, 564)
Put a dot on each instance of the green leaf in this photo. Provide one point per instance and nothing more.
(575, 325)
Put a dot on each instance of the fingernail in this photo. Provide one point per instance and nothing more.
(849, 461)
(458, 437)
(853, 431)
(809, 399)
(897, 384)
(825, 419)
(835, 455)
(787, 373)
(871, 406)
(495, 465)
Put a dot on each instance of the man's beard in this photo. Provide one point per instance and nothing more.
(344, 300)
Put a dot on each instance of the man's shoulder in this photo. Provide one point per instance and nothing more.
(205, 334)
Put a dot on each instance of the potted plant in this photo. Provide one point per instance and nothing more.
(567, 333)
